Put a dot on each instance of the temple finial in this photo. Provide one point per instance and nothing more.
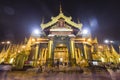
(78, 21)
(60, 8)
(42, 20)
(95, 40)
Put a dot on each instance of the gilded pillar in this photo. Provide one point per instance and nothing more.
(50, 55)
(45, 55)
(50, 44)
(36, 55)
(36, 52)
(42, 57)
(85, 51)
(79, 53)
(72, 49)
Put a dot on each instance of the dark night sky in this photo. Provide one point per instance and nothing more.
(19, 17)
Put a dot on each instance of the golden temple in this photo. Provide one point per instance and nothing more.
(64, 43)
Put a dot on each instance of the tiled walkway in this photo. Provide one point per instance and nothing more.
(93, 75)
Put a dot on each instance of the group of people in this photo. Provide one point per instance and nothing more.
(59, 63)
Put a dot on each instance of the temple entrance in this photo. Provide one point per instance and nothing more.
(59, 50)
(61, 55)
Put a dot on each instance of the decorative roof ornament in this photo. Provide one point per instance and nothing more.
(61, 8)
(66, 19)
(114, 52)
(95, 40)
(42, 20)
(78, 21)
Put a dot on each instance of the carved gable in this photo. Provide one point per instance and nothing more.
(61, 24)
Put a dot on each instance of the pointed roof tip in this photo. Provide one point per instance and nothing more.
(78, 21)
(95, 40)
(113, 49)
(60, 8)
(42, 20)
(25, 40)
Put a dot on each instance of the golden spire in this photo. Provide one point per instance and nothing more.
(60, 8)
(95, 40)
(78, 21)
(113, 50)
(25, 40)
(42, 20)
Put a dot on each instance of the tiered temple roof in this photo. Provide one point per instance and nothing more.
(54, 20)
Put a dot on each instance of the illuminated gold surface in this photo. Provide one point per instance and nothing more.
(67, 19)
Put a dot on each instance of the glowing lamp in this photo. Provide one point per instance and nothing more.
(85, 31)
(8, 42)
(106, 41)
(2, 42)
(36, 31)
(61, 59)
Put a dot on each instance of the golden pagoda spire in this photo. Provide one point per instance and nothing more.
(60, 8)
(113, 50)
(25, 40)
(3, 50)
(95, 40)
(55, 19)
(42, 20)
(78, 21)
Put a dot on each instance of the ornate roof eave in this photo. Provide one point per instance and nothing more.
(114, 51)
(67, 19)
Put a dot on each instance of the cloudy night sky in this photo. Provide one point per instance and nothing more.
(19, 17)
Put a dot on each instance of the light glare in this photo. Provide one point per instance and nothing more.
(36, 31)
(106, 41)
(8, 42)
(85, 31)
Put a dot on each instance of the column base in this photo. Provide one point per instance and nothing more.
(73, 62)
(50, 62)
